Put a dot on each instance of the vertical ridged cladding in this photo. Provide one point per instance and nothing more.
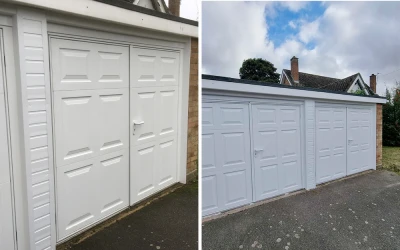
(35, 91)
(310, 143)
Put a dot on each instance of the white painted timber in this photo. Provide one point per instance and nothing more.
(277, 155)
(7, 231)
(226, 157)
(109, 13)
(310, 143)
(91, 120)
(33, 68)
(154, 106)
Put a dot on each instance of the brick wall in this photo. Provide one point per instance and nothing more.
(192, 150)
(378, 135)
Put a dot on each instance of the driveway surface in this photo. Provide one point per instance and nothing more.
(170, 222)
(357, 213)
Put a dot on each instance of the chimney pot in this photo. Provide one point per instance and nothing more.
(294, 68)
(372, 82)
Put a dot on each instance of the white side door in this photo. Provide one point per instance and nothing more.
(359, 139)
(226, 162)
(153, 119)
(277, 155)
(330, 143)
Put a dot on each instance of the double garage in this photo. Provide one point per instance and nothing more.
(261, 141)
(93, 118)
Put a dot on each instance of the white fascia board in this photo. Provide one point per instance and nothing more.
(105, 12)
(280, 91)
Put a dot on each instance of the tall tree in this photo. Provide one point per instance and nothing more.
(258, 69)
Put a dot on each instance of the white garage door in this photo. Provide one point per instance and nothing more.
(6, 214)
(91, 115)
(277, 155)
(359, 138)
(154, 112)
(330, 143)
(343, 141)
(226, 162)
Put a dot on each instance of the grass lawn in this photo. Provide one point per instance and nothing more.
(391, 159)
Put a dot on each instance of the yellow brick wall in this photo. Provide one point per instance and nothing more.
(378, 135)
(192, 150)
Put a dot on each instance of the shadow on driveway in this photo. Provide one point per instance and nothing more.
(171, 222)
(356, 213)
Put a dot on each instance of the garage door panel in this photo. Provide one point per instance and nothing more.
(234, 149)
(330, 143)
(232, 116)
(166, 162)
(291, 177)
(113, 121)
(209, 149)
(266, 141)
(74, 121)
(207, 119)
(268, 186)
(154, 67)
(84, 65)
(209, 194)
(235, 187)
(167, 112)
(143, 169)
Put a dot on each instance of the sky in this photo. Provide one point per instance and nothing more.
(190, 9)
(335, 39)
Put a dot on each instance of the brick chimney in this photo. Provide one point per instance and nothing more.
(372, 82)
(294, 68)
(174, 7)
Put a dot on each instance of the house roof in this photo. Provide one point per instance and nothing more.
(127, 4)
(323, 82)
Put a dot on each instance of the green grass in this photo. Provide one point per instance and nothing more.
(391, 159)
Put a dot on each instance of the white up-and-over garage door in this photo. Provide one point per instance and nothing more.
(115, 115)
(254, 151)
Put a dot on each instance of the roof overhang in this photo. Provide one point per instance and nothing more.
(225, 84)
(106, 12)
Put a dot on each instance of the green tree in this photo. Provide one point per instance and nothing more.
(258, 69)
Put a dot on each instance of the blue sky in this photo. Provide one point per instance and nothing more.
(278, 24)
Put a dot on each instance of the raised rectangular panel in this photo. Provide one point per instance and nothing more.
(266, 116)
(4, 160)
(144, 107)
(169, 68)
(288, 115)
(151, 67)
(232, 117)
(289, 143)
(234, 151)
(76, 126)
(166, 162)
(207, 119)
(143, 171)
(235, 187)
(78, 65)
(209, 194)
(291, 176)
(6, 215)
(113, 191)
(209, 151)
(269, 184)
(77, 189)
(167, 112)
(113, 120)
(268, 141)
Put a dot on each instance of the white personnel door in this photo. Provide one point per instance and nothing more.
(226, 162)
(277, 154)
(91, 115)
(330, 143)
(153, 120)
(359, 139)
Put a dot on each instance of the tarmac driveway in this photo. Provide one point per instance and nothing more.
(357, 213)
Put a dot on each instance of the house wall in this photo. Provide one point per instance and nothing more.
(378, 135)
(193, 140)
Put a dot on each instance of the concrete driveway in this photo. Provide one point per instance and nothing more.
(356, 213)
(170, 222)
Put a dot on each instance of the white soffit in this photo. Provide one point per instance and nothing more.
(98, 10)
(284, 91)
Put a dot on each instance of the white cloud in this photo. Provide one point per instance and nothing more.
(292, 24)
(294, 6)
(349, 37)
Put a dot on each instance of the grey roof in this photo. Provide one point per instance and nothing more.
(323, 82)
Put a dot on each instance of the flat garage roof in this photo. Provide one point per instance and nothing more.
(219, 83)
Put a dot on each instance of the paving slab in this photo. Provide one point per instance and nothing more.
(356, 213)
(171, 222)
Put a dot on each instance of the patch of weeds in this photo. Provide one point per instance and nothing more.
(391, 159)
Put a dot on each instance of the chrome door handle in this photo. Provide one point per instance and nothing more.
(257, 151)
(134, 124)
